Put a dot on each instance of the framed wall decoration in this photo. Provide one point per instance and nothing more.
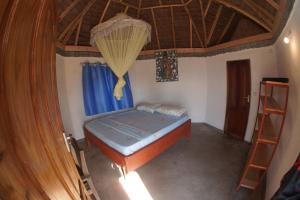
(166, 66)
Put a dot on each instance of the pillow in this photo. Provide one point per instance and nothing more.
(147, 107)
(171, 110)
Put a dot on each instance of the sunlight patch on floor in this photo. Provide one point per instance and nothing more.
(134, 187)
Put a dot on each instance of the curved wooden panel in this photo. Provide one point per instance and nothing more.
(34, 161)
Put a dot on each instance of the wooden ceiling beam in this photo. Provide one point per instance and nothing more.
(273, 4)
(75, 21)
(67, 10)
(125, 4)
(226, 28)
(173, 28)
(203, 22)
(155, 27)
(191, 33)
(69, 33)
(139, 9)
(104, 11)
(78, 31)
(126, 9)
(234, 43)
(212, 30)
(263, 13)
(168, 5)
(244, 12)
(193, 23)
(207, 7)
(279, 15)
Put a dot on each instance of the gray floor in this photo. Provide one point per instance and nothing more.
(206, 167)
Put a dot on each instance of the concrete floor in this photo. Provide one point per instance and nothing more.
(206, 167)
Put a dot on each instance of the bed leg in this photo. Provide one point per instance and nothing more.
(188, 133)
(87, 142)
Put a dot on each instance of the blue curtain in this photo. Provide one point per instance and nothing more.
(98, 82)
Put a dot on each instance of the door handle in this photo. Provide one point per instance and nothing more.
(247, 97)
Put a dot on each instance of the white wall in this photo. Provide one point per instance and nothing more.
(262, 63)
(189, 91)
(288, 60)
(201, 87)
(69, 81)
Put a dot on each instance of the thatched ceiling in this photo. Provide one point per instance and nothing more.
(175, 23)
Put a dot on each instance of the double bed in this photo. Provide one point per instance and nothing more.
(131, 138)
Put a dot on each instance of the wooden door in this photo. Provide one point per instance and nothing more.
(238, 97)
(34, 161)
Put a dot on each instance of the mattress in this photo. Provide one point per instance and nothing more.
(129, 131)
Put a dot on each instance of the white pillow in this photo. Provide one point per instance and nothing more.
(171, 110)
(148, 107)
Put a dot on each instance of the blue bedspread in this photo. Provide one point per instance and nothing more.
(128, 131)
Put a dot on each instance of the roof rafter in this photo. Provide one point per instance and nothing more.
(139, 9)
(273, 4)
(279, 15)
(71, 27)
(169, 5)
(243, 11)
(226, 27)
(212, 30)
(155, 27)
(191, 33)
(104, 11)
(207, 7)
(173, 28)
(260, 11)
(78, 31)
(193, 23)
(67, 10)
(125, 4)
(203, 22)
(126, 9)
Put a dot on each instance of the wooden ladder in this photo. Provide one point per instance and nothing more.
(267, 131)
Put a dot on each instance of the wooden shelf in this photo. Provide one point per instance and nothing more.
(252, 178)
(262, 156)
(268, 134)
(272, 106)
(265, 137)
(274, 83)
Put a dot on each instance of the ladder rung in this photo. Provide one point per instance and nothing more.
(262, 156)
(268, 134)
(272, 106)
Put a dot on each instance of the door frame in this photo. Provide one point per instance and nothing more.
(227, 102)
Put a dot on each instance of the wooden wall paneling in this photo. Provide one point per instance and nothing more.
(35, 163)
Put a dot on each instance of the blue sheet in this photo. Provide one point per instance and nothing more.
(128, 131)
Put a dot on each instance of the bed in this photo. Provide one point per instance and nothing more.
(132, 138)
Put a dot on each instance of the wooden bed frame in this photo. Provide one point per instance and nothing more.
(144, 155)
